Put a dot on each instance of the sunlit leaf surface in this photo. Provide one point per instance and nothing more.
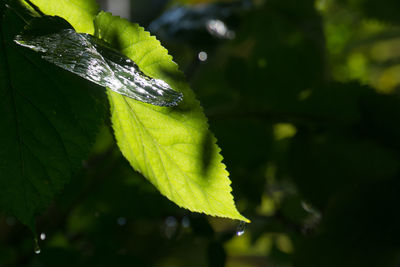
(77, 12)
(172, 147)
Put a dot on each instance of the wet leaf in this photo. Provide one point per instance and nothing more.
(94, 60)
(172, 147)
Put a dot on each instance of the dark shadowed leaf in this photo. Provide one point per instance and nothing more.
(49, 120)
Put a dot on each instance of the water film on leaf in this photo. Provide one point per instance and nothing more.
(94, 60)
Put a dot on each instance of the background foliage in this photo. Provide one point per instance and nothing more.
(304, 102)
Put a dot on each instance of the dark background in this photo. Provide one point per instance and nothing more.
(303, 97)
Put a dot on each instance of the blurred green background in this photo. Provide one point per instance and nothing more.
(303, 97)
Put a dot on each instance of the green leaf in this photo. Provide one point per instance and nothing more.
(171, 147)
(49, 119)
(77, 12)
(175, 151)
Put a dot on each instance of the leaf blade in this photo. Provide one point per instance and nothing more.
(167, 145)
(79, 13)
(48, 125)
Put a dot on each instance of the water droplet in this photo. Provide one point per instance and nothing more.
(121, 221)
(185, 222)
(171, 221)
(203, 56)
(42, 236)
(307, 207)
(171, 225)
(240, 229)
(36, 248)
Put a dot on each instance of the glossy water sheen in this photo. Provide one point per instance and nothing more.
(94, 60)
(36, 248)
(240, 228)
